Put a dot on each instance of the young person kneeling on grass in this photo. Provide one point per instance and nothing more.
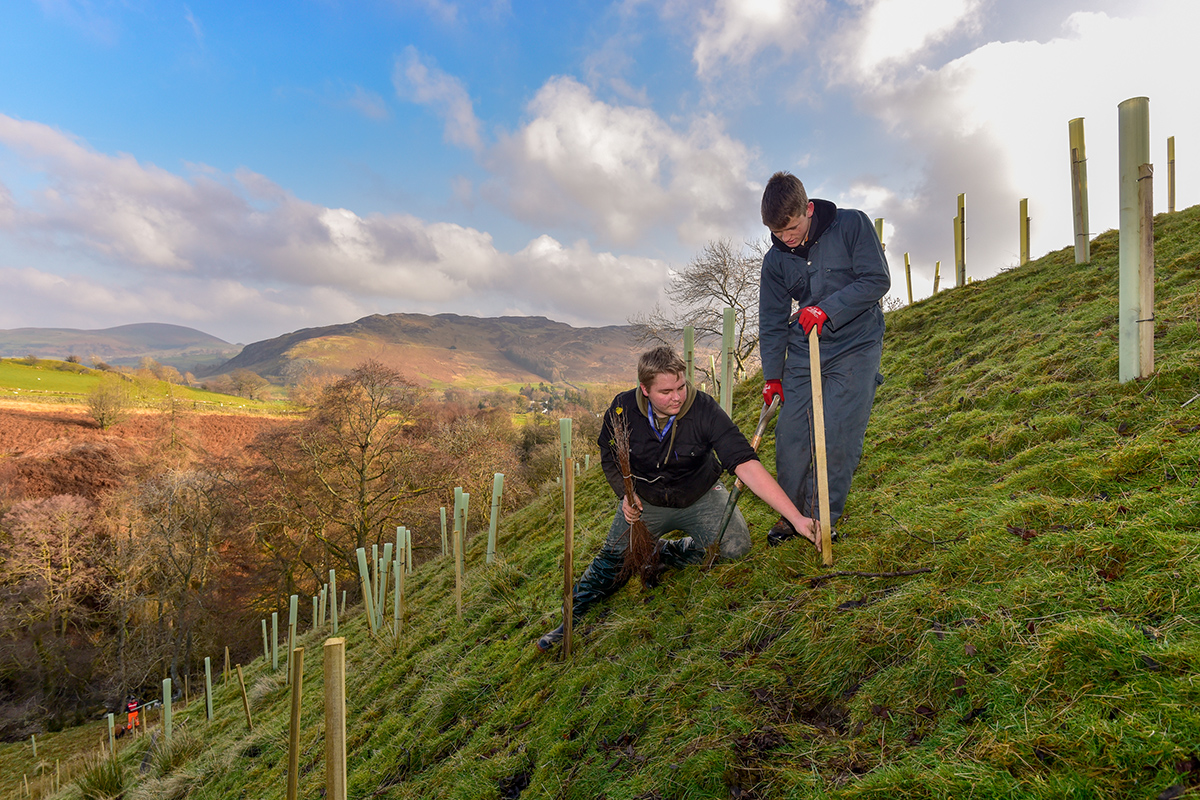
(680, 442)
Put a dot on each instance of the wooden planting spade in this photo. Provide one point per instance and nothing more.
(764, 417)
(818, 402)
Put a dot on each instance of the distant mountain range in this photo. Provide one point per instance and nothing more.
(440, 351)
(186, 349)
(450, 350)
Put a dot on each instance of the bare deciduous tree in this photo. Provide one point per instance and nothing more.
(109, 401)
(342, 478)
(719, 277)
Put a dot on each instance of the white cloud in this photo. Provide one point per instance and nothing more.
(737, 31)
(210, 246)
(429, 86)
(892, 32)
(993, 124)
(621, 170)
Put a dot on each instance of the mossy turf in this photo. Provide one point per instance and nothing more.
(1049, 649)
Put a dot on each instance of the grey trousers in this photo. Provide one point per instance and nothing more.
(699, 522)
(848, 383)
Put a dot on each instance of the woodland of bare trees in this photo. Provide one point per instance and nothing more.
(181, 553)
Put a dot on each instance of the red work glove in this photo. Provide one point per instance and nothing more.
(810, 316)
(771, 390)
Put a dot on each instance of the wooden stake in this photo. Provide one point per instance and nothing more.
(1079, 193)
(908, 277)
(818, 402)
(245, 698)
(185, 679)
(689, 353)
(727, 342)
(937, 275)
(297, 680)
(226, 678)
(275, 641)
(293, 604)
(569, 563)
(335, 719)
(960, 241)
(1170, 174)
(266, 647)
(462, 532)
(879, 232)
(333, 599)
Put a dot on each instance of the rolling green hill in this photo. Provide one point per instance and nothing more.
(1043, 643)
(186, 349)
(53, 381)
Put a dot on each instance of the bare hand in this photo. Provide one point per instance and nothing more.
(632, 512)
(811, 530)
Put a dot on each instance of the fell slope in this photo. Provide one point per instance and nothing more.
(449, 349)
(181, 347)
(1046, 644)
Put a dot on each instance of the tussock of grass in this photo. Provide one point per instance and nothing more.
(1051, 650)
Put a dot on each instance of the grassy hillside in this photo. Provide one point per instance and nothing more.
(1047, 644)
(52, 381)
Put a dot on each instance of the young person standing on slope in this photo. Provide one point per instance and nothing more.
(829, 260)
(680, 442)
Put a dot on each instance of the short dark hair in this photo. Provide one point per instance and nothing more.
(783, 199)
(659, 361)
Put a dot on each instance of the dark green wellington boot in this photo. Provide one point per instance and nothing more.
(601, 579)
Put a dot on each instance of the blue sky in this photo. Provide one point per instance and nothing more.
(249, 169)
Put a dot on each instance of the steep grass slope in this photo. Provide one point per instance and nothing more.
(1047, 644)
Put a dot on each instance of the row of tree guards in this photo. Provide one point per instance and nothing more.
(1136, 318)
(386, 569)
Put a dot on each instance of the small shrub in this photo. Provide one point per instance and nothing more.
(183, 747)
(105, 781)
(109, 402)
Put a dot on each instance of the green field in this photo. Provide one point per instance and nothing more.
(1035, 634)
(60, 382)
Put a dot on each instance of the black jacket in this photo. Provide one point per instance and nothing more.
(676, 472)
